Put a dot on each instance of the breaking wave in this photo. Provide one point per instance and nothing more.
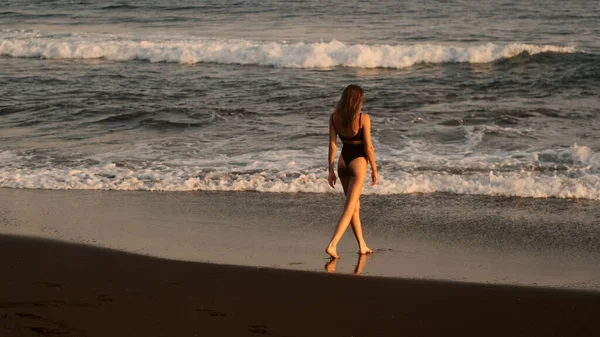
(568, 173)
(191, 50)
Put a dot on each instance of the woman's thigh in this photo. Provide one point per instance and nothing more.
(358, 169)
(343, 174)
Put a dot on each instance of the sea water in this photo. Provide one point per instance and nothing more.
(466, 97)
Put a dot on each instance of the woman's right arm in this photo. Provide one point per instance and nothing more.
(369, 149)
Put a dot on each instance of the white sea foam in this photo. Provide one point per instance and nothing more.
(110, 177)
(189, 50)
(415, 167)
(582, 182)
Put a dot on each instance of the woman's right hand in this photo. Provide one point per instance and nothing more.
(331, 179)
(374, 177)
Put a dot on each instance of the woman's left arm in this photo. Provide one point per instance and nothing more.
(331, 179)
(369, 150)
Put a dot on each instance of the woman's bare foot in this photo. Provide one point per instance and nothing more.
(332, 252)
(365, 250)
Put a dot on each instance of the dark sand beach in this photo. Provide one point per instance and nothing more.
(61, 289)
(78, 263)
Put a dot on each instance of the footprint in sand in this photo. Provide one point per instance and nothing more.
(211, 312)
(258, 329)
(105, 298)
(384, 250)
(49, 284)
(30, 316)
(41, 331)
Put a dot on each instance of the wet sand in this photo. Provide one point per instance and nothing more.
(51, 288)
(514, 241)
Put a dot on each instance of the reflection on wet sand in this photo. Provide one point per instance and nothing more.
(360, 264)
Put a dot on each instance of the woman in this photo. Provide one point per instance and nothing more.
(354, 129)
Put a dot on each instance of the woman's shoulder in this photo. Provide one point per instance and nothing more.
(365, 118)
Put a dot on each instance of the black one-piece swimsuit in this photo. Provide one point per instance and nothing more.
(352, 151)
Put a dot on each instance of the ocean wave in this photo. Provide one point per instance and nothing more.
(119, 7)
(120, 118)
(181, 123)
(559, 172)
(189, 50)
(111, 176)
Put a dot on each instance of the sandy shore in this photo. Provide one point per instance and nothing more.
(514, 241)
(50, 288)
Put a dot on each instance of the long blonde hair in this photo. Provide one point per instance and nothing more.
(349, 104)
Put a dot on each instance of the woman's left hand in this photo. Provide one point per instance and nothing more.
(374, 177)
(331, 179)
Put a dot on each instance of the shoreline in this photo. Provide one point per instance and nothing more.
(56, 288)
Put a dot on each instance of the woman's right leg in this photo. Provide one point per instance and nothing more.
(357, 230)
